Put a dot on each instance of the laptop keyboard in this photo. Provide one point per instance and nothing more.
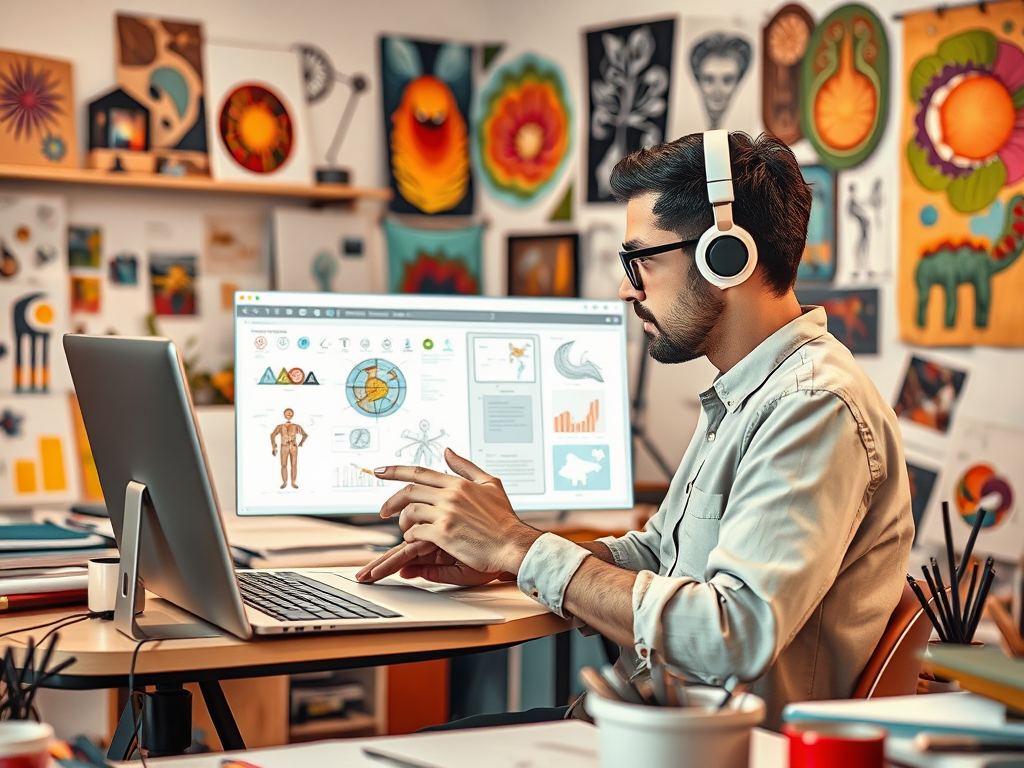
(293, 597)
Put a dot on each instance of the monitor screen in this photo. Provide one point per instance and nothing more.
(329, 386)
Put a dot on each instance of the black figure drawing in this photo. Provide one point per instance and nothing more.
(866, 212)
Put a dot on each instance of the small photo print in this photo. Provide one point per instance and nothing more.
(173, 278)
(929, 394)
(852, 315)
(544, 265)
(85, 294)
(124, 269)
(84, 245)
(922, 483)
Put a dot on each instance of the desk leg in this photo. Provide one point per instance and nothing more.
(563, 667)
(122, 743)
(220, 713)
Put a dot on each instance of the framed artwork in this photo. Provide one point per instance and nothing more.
(257, 119)
(629, 74)
(818, 263)
(427, 89)
(929, 394)
(37, 111)
(434, 260)
(852, 315)
(544, 265)
(784, 42)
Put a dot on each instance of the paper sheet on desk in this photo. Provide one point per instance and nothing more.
(901, 752)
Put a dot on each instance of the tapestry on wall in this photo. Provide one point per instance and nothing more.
(844, 98)
(434, 260)
(784, 42)
(962, 173)
(523, 128)
(37, 111)
(629, 77)
(427, 91)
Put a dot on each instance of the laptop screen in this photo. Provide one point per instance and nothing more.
(329, 386)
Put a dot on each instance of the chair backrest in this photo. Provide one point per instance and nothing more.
(893, 668)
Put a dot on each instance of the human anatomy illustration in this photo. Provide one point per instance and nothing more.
(427, 447)
(292, 437)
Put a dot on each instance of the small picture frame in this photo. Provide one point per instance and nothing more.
(544, 265)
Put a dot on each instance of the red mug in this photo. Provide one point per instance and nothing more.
(814, 744)
(24, 744)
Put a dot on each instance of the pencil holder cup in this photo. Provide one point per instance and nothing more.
(24, 744)
(929, 683)
(674, 737)
(103, 572)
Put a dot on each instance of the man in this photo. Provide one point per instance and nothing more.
(781, 548)
(292, 438)
(719, 62)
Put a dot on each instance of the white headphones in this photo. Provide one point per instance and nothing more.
(726, 253)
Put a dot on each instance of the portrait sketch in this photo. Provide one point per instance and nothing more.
(722, 74)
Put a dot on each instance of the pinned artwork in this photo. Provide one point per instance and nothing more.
(37, 462)
(173, 279)
(629, 74)
(37, 111)
(124, 269)
(523, 130)
(119, 134)
(865, 213)
(930, 392)
(721, 66)
(962, 191)
(32, 322)
(543, 265)
(324, 251)
(434, 261)
(160, 63)
(427, 92)
(257, 117)
(845, 86)
(563, 211)
(33, 238)
(984, 470)
(922, 484)
(852, 316)
(85, 294)
(235, 244)
(818, 263)
(784, 42)
(85, 245)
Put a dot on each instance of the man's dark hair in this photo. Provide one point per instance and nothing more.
(773, 202)
(723, 45)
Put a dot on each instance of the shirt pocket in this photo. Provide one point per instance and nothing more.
(698, 531)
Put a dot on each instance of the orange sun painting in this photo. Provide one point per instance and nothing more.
(256, 129)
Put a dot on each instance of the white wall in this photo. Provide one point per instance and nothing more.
(348, 31)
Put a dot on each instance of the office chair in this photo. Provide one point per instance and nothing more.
(893, 668)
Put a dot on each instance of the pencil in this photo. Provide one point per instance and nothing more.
(954, 581)
(952, 629)
(935, 598)
(927, 608)
(979, 608)
(979, 519)
(969, 602)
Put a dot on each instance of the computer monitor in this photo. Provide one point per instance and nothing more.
(329, 386)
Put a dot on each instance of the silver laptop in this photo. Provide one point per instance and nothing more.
(142, 429)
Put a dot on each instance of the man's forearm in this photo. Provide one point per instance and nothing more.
(601, 594)
(599, 550)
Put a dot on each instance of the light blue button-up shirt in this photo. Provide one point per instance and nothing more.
(781, 548)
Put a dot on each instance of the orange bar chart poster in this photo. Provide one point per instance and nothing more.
(577, 413)
(37, 459)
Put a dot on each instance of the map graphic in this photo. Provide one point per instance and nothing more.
(375, 387)
(581, 468)
(504, 359)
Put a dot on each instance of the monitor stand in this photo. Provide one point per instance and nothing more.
(136, 499)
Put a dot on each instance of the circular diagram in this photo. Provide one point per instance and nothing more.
(376, 387)
(256, 129)
(359, 439)
(977, 483)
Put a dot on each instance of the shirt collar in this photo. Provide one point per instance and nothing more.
(739, 382)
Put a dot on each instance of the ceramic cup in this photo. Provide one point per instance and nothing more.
(814, 744)
(103, 573)
(24, 744)
(659, 737)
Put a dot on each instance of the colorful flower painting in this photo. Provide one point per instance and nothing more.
(256, 128)
(37, 122)
(523, 129)
(968, 99)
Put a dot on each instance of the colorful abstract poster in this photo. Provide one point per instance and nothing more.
(544, 265)
(962, 173)
(257, 116)
(784, 42)
(984, 469)
(37, 111)
(929, 395)
(160, 63)
(434, 261)
(173, 279)
(721, 67)
(852, 316)
(629, 72)
(325, 251)
(523, 127)
(33, 238)
(38, 463)
(33, 318)
(818, 263)
(427, 90)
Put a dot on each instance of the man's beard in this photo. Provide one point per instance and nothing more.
(684, 331)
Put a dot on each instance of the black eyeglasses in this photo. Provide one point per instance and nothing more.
(628, 257)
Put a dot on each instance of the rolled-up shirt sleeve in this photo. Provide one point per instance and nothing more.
(547, 569)
(800, 490)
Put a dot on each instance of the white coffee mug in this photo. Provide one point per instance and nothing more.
(103, 572)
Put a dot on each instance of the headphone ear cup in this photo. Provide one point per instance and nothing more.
(726, 258)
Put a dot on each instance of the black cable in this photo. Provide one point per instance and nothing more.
(70, 621)
(88, 615)
(131, 699)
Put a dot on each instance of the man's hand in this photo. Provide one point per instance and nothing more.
(464, 526)
(274, 451)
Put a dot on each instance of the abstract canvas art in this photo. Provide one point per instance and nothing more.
(523, 130)
(33, 238)
(962, 177)
(427, 91)
(325, 251)
(784, 42)
(32, 321)
(819, 258)
(257, 116)
(543, 265)
(173, 280)
(629, 75)
(37, 111)
(852, 316)
(37, 458)
(930, 392)
(434, 261)
(845, 86)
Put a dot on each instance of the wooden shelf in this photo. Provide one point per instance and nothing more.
(332, 726)
(320, 193)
